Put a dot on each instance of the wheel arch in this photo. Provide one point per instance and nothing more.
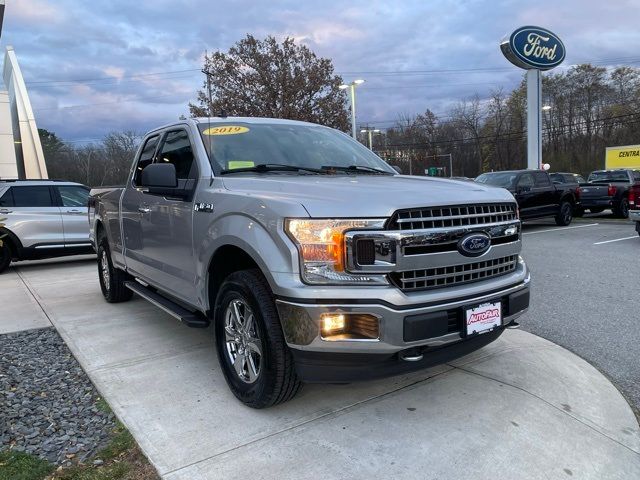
(12, 240)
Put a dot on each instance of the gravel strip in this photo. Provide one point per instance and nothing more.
(48, 405)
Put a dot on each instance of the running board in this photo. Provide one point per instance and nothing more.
(190, 319)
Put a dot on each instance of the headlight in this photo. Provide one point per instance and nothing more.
(322, 249)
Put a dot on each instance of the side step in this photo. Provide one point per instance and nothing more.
(190, 319)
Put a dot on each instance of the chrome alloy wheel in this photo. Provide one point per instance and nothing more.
(242, 342)
(104, 269)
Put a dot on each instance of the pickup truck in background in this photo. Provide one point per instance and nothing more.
(608, 189)
(536, 194)
(634, 205)
(314, 260)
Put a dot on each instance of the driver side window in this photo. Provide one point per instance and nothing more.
(146, 158)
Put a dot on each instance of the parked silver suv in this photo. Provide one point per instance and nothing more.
(42, 219)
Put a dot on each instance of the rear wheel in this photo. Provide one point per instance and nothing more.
(111, 278)
(254, 357)
(565, 214)
(622, 210)
(5, 256)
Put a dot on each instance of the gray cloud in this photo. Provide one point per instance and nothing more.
(113, 47)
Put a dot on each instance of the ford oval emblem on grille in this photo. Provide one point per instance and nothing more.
(474, 244)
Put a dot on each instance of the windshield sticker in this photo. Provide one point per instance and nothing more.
(233, 164)
(226, 130)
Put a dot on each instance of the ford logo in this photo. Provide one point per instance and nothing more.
(533, 47)
(474, 244)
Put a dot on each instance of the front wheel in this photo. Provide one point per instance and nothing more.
(111, 278)
(565, 214)
(253, 355)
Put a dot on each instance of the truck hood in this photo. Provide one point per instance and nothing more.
(363, 195)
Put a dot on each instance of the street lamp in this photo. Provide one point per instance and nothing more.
(546, 108)
(370, 131)
(352, 89)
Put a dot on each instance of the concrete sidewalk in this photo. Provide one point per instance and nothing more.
(521, 408)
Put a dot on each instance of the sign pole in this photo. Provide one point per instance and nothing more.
(534, 119)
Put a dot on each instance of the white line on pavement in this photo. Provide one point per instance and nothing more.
(616, 240)
(559, 229)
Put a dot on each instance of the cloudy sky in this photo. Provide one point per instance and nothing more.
(102, 65)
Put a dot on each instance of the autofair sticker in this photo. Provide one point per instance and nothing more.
(226, 130)
(483, 318)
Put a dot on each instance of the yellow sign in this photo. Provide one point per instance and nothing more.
(623, 157)
(233, 164)
(226, 130)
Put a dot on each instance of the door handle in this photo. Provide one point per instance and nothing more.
(144, 209)
(4, 210)
(77, 212)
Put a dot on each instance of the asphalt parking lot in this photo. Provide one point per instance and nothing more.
(585, 293)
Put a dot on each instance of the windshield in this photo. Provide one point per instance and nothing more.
(609, 176)
(500, 179)
(241, 145)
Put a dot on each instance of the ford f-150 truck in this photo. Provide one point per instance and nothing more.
(312, 258)
(609, 189)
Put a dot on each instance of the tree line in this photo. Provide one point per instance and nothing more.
(587, 108)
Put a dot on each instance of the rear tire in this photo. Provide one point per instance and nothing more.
(253, 355)
(5, 256)
(111, 278)
(622, 210)
(565, 214)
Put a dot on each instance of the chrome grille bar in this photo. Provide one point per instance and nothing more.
(452, 216)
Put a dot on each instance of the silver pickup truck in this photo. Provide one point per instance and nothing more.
(314, 260)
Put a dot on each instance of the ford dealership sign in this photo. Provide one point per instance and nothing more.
(533, 48)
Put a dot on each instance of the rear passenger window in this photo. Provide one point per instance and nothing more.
(146, 158)
(541, 179)
(6, 200)
(526, 180)
(35, 196)
(73, 196)
(176, 150)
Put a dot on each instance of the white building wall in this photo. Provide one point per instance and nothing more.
(29, 157)
(8, 164)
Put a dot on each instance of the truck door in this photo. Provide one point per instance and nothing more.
(168, 248)
(134, 211)
(546, 195)
(73, 207)
(525, 195)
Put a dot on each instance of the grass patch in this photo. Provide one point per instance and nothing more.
(114, 471)
(121, 442)
(22, 466)
(103, 406)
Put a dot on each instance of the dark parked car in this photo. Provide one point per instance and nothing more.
(536, 194)
(608, 189)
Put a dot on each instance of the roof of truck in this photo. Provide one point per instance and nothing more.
(226, 120)
(32, 182)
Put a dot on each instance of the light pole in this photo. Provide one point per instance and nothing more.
(370, 131)
(352, 90)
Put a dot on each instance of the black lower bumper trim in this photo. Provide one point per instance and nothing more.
(323, 367)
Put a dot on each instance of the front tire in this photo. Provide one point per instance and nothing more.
(565, 214)
(111, 278)
(253, 355)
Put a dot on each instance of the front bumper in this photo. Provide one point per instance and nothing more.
(319, 360)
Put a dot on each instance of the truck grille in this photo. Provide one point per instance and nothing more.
(440, 277)
(453, 216)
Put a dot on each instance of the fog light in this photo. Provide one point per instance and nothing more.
(349, 326)
(332, 323)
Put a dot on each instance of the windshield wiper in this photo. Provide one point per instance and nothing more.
(356, 168)
(272, 167)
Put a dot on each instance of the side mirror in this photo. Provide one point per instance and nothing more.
(159, 175)
(397, 169)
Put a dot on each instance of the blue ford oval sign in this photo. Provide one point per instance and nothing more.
(533, 47)
(474, 244)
